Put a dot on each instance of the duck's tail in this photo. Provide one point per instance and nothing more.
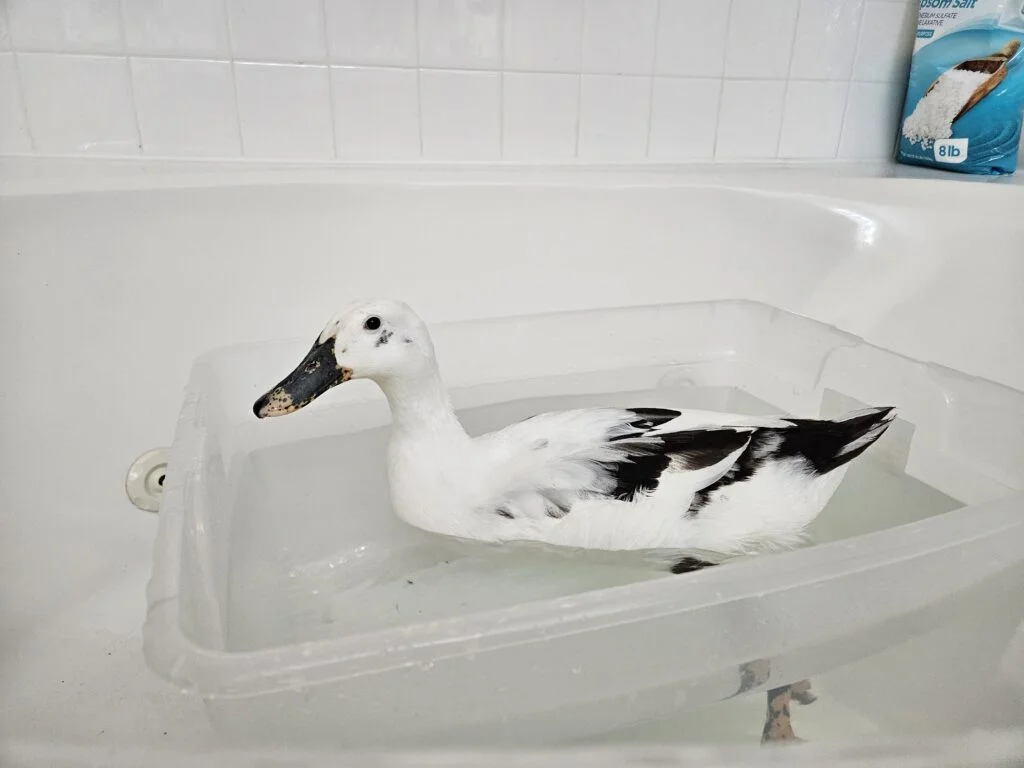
(828, 445)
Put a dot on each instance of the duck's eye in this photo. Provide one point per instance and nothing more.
(372, 323)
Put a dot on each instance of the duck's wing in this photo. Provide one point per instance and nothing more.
(542, 466)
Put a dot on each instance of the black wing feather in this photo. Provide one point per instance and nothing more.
(646, 457)
(819, 443)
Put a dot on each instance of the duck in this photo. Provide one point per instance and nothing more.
(702, 486)
(708, 486)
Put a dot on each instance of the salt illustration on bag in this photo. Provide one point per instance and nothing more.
(966, 88)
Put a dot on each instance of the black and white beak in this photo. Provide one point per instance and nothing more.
(317, 373)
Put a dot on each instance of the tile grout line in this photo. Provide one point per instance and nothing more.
(351, 65)
(718, 117)
(501, 79)
(789, 77)
(24, 105)
(722, 79)
(330, 78)
(842, 122)
(419, 73)
(654, 69)
(579, 81)
(19, 81)
(234, 76)
(852, 80)
(131, 76)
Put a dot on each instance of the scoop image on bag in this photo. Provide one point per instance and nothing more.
(966, 91)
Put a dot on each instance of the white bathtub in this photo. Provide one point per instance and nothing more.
(110, 287)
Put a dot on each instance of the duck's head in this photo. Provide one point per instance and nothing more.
(377, 340)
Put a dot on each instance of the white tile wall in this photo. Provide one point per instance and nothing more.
(826, 39)
(545, 80)
(619, 37)
(66, 25)
(684, 118)
(291, 31)
(870, 109)
(5, 33)
(691, 38)
(543, 36)
(175, 27)
(761, 37)
(813, 118)
(460, 114)
(750, 118)
(381, 32)
(376, 113)
(613, 117)
(460, 34)
(540, 113)
(284, 110)
(186, 107)
(886, 39)
(78, 104)
(13, 128)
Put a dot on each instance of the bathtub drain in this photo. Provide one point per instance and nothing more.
(145, 481)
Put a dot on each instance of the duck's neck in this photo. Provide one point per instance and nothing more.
(420, 406)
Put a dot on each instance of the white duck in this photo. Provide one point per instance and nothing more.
(703, 484)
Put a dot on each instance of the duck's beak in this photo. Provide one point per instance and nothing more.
(318, 372)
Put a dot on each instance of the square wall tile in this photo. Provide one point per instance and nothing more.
(176, 28)
(873, 112)
(750, 118)
(614, 113)
(886, 42)
(826, 39)
(372, 32)
(376, 112)
(14, 138)
(541, 35)
(78, 104)
(461, 114)
(684, 117)
(760, 38)
(460, 34)
(284, 111)
(186, 107)
(67, 26)
(5, 32)
(813, 119)
(541, 113)
(271, 30)
(619, 36)
(691, 38)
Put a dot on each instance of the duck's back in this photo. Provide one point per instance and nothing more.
(629, 479)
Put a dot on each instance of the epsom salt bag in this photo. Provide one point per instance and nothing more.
(966, 88)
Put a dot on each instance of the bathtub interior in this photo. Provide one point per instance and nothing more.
(121, 335)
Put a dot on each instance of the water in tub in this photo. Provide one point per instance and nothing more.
(308, 567)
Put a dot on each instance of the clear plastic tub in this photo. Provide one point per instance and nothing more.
(286, 593)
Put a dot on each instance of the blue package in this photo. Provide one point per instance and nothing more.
(966, 90)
